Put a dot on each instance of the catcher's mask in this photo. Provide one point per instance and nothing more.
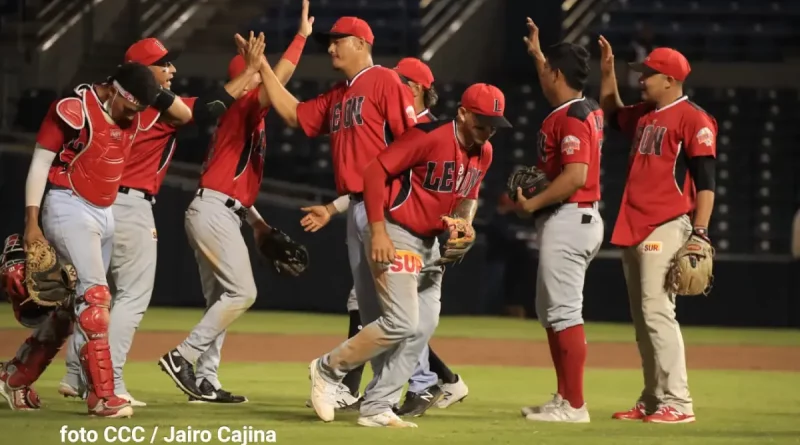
(12, 283)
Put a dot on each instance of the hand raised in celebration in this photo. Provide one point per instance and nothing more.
(606, 56)
(252, 49)
(306, 22)
(532, 40)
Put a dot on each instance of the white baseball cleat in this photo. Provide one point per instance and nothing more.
(554, 402)
(452, 392)
(344, 398)
(386, 419)
(67, 390)
(323, 392)
(563, 412)
(131, 400)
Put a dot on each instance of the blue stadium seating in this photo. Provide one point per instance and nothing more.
(714, 30)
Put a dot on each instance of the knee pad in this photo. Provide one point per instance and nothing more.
(94, 319)
(38, 351)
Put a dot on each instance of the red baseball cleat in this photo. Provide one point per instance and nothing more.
(668, 414)
(112, 407)
(635, 413)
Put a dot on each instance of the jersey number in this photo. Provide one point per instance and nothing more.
(650, 140)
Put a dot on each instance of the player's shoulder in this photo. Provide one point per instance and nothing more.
(381, 74)
(432, 126)
(69, 110)
(583, 109)
(487, 151)
(695, 109)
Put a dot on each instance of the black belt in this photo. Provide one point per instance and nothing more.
(230, 203)
(127, 190)
(357, 197)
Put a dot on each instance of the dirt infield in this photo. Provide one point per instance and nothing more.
(149, 346)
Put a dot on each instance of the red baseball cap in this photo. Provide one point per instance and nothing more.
(149, 51)
(665, 61)
(487, 103)
(236, 66)
(347, 27)
(415, 70)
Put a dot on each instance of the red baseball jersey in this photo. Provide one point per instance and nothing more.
(362, 116)
(431, 174)
(661, 140)
(234, 163)
(152, 152)
(573, 133)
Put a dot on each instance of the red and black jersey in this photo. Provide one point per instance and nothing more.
(573, 133)
(234, 163)
(431, 173)
(662, 138)
(152, 152)
(362, 116)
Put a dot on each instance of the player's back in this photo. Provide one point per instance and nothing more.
(573, 132)
(234, 162)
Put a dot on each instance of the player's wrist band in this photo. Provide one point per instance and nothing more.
(701, 232)
(295, 49)
(164, 100)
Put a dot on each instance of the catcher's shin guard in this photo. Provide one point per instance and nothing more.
(95, 356)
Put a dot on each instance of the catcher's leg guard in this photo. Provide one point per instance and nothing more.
(32, 359)
(95, 356)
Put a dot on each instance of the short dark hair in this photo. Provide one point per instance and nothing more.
(430, 97)
(138, 80)
(572, 61)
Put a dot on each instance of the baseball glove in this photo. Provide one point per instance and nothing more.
(287, 256)
(691, 271)
(49, 281)
(462, 238)
(532, 180)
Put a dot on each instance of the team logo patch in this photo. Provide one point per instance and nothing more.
(405, 262)
(705, 136)
(570, 144)
(116, 134)
(652, 247)
(155, 234)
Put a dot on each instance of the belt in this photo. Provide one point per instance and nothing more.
(138, 193)
(357, 197)
(234, 204)
(586, 205)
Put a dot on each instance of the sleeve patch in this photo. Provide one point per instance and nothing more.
(570, 144)
(70, 110)
(705, 136)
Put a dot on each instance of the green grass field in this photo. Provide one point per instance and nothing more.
(733, 407)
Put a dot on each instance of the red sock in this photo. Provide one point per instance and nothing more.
(555, 354)
(572, 343)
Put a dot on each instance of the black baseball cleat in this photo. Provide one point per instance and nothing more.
(416, 404)
(181, 372)
(213, 395)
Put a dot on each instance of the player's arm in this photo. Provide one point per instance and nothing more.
(610, 100)
(288, 63)
(468, 206)
(700, 140)
(338, 205)
(53, 134)
(172, 108)
(575, 146)
(467, 209)
(399, 157)
(535, 48)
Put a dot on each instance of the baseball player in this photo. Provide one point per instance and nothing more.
(133, 260)
(568, 223)
(661, 210)
(429, 174)
(51, 324)
(80, 151)
(362, 115)
(423, 390)
(229, 185)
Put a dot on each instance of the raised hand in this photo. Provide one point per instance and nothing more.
(306, 22)
(606, 56)
(532, 39)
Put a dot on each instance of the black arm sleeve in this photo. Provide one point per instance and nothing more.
(210, 106)
(704, 172)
